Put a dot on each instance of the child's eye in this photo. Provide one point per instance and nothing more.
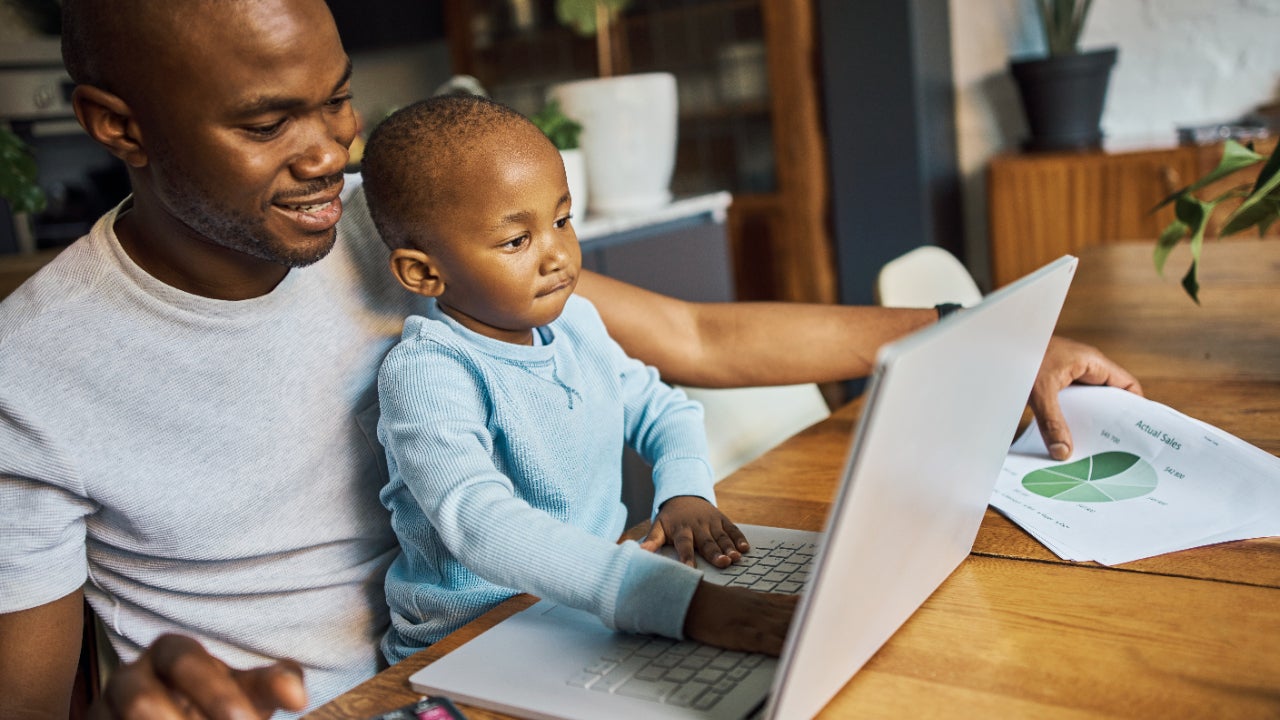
(563, 222)
(516, 243)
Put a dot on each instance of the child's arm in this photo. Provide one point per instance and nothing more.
(694, 526)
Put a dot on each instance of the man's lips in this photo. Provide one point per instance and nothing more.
(314, 213)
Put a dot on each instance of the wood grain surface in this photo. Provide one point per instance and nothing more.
(1015, 631)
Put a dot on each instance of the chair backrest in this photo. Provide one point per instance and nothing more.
(925, 277)
(743, 423)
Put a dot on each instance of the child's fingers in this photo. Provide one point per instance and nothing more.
(656, 538)
(735, 535)
(682, 539)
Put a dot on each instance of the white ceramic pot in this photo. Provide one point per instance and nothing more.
(628, 138)
(575, 171)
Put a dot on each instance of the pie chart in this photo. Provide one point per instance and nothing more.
(1105, 477)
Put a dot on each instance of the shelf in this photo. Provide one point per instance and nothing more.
(749, 119)
(598, 231)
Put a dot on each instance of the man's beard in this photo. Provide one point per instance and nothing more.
(239, 231)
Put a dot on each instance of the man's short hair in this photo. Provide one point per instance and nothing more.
(410, 156)
(100, 37)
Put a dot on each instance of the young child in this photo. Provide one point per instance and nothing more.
(505, 409)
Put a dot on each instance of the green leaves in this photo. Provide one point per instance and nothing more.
(1063, 21)
(1260, 207)
(560, 128)
(581, 14)
(18, 174)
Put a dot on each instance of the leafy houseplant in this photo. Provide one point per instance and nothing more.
(560, 128)
(1260, 207)
(1063, 93)
(18, 173)
(563, 132)
(1062, 22)
(629, 120)
(594, 17)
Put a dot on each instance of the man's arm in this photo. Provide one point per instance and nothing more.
(743, 344)
(39, 651)
(175, 678)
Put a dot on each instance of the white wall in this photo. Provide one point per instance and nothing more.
(1181, 62)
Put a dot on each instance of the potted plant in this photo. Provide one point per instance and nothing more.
(1259, 207)
(1063, 93)
(629, 120)
(563, 131)
(19, 185)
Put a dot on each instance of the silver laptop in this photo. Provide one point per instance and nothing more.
(942, 407)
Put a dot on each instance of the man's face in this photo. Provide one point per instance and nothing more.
(246, 119)
(506, 250)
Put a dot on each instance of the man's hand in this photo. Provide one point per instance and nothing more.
(739, 619)
(177, 678)
(692, 524)
(1066, 362)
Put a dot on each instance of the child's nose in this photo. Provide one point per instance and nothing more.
(556, 254)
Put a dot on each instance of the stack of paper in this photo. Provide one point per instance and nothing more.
(1144, 480)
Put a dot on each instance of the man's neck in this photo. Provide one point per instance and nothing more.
(176, 258)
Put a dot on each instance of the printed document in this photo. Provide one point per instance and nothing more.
(1144, 480)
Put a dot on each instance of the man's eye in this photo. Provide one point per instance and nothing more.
(266, 131)
(339, 101)
(563, 222)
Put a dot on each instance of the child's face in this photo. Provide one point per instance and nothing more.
(506, 251)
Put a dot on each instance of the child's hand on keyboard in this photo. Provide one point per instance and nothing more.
(739, 619)
(693, 525)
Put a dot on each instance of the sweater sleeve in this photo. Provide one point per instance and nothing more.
(434, 411)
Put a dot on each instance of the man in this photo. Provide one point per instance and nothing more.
(186, 394)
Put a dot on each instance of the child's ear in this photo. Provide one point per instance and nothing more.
(416, 272)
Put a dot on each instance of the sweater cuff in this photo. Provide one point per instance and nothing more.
(655, 594)
(681, 476)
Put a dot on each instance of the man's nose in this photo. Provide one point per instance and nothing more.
(325, 145)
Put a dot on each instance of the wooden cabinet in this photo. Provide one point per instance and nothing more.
(1042, 206)
(749, 115)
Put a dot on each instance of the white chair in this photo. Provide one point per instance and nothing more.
(925, 277)
(743, 423)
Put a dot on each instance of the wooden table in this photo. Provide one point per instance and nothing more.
(1016, 632)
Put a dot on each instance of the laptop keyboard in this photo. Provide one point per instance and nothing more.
(689, 674)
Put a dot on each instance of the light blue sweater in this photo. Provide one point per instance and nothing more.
(505, 476)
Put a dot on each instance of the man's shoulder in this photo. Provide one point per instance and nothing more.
(67, 284)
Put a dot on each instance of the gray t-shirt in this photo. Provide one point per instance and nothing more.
(202, 466)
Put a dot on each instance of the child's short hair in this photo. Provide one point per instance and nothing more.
(409, 157)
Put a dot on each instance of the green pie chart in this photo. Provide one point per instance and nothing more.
(1105, 477)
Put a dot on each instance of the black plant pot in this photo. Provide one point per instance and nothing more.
(1063, 97)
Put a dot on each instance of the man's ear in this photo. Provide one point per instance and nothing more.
(109, 120)
(417, 272)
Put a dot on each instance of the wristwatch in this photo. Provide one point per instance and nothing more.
(945, 309)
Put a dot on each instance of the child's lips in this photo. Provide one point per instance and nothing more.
(565, 284)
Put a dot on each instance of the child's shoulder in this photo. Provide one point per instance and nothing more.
(427, 341)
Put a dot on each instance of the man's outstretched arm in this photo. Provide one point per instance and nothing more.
(742, 344)
(747, 343)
